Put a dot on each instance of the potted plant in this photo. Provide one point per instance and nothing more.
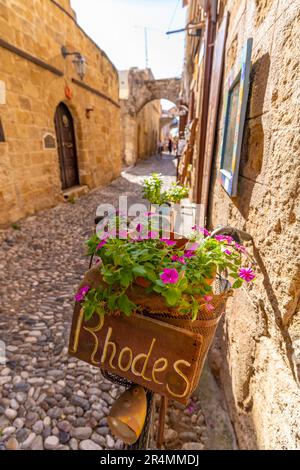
(147, 270)
(162, 201)
(176, 193)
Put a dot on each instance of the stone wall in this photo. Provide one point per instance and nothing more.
(148, 125)
(257, 354)
(29, 174)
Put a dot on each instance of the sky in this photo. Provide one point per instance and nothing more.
(117, 26)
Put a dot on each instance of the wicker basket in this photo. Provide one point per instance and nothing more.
(205, 325)
(154, 306)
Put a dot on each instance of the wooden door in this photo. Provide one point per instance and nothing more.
(66, 146)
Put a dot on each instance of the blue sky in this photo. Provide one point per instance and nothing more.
(117, 26)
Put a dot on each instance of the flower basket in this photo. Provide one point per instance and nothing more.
(195, 335)
(148, 312)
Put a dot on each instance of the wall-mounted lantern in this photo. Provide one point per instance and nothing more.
(79, 61)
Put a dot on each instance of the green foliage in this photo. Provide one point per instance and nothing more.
(177, 192)
(15, 226)
(152, 189)
(195, 265)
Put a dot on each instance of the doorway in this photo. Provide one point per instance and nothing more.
(66, 145)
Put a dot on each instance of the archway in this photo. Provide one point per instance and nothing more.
(66, 145)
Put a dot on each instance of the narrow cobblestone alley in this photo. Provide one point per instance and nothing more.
(47, 399)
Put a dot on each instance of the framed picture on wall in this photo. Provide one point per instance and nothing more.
(236, 98)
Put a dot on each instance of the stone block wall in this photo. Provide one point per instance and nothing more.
(148, 125)
(257, 352)
(29, 174)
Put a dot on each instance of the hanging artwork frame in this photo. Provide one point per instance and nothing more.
(236, 98)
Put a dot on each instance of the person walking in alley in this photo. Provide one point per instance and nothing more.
(170, 146)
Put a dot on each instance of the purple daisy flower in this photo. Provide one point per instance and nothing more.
(247, 274)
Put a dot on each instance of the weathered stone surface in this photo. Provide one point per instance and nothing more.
(33, 181)
(261, 327)
(51, 442)
(12, 444)
(89, 445)
(193, 446)
(81, 432)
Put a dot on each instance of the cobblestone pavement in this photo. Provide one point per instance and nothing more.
(47, 399)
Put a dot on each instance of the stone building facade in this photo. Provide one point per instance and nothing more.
(38, 159)
(256, 356)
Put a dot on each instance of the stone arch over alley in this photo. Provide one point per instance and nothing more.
(138, 91)
(150, 90)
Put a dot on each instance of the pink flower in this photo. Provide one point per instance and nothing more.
(247, 274)
(101, 244)
(139, 228)
(228, 252)
(169, 276)
(189, 254)
(240, 248)
(224, 238)
(168, 242)
(203, 230)
(180, 259)
(209, 307)
(81, 293)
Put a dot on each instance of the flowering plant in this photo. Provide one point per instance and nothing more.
(177, 192)
(182, 273)
(152, 190)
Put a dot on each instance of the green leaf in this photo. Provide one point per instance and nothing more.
(126, 277)
(125, 305)
(89, 310)
(139, 270)
(112, 302)
(151, 275)
(172, 295)
(238, 283)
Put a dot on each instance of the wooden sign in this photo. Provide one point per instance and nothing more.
(151, 353)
